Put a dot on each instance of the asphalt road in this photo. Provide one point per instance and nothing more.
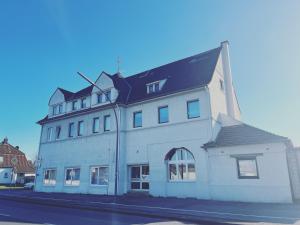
(16, 213)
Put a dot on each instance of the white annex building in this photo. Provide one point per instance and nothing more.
(180, 134)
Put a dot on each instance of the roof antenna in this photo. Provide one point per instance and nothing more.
(118, 64)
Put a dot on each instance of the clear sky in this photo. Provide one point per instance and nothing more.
(44, 43)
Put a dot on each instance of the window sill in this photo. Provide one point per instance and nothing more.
(98, 185)
(182, 181)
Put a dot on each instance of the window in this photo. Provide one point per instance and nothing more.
(83, 103)
(57, 109)
(96, 125)
(137, 119)
(193, 109)
(50, 177)
(152, 88)
(49, 133)
(99, 98)
(163, 114)
(74, 105)
(107, 123)
(139, 175)
(80, 128)
(99, 175)
(54, 110)
(5, 175)
(222, 85)
(71, 129)
(1, 159)
(247, 168)
(108, 96)
(72, 176)
(181, 165)
(57, 132)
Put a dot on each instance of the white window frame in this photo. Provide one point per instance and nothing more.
(65, 179)
(80, 128)
(56, 130)
(83, 102)
(69, 130)
(75, 105)
(151, 87)
(178, 162)
(187, 109)
(107, 118)
(99, 167)
(96, 122)
(50, 182)
(49, 133)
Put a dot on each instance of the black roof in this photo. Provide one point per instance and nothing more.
(188, 73)
(243, 134)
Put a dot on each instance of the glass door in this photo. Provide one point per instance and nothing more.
(139, 177)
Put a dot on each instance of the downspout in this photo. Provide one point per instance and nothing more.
(38, 158)
(211, 139)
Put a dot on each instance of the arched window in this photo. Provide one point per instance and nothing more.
(181, 165)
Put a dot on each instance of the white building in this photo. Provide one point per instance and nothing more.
(180, 135)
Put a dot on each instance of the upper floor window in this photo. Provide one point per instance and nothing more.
(96, 125)
(153, 87)
(99, 98)
(49, 133)
(137, 119)
(80, 128)
(163, 114)
(57, 109)
(193, 109)
(247, 168)
(107, 123)
(75, 105)
(57, 132)
(83, 103)
(72, 176)
(1, 159)
(50, 177)
(107, 95)
(181, 165)
(71, 129)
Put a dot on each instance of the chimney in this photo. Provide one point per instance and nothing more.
(5, 140)
(17, 147)
(229, 92)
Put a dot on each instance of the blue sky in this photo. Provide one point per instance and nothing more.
(44, 43)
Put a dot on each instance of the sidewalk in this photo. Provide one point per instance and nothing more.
(195, 210)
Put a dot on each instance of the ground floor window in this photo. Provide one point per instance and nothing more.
(50, 177)
(6, 175)
(139, 177)
(72, 176)
(181, 165)
(99, 175)
(247, 168)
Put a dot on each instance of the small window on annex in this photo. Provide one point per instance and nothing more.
(181, 165)
(247, 168)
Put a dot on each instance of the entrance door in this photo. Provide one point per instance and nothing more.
(139, 175)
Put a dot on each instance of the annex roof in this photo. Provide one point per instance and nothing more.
(243, 134)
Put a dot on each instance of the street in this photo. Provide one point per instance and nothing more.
(15, 213)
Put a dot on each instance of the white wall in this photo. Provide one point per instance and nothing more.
(273, 184)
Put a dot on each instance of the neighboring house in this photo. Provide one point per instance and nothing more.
(14, 166)
(180, 135)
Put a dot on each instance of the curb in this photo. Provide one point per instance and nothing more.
(110, 207)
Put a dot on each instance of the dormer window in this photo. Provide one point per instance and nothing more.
(83, 103)
(74, 105)
(104, 97)
(57, 109)
(154, 87)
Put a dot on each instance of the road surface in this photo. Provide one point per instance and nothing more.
(16, 213)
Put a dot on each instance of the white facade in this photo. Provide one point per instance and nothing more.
(147, 147)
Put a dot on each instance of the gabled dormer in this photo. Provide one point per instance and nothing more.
(105, 82)
(57, 102)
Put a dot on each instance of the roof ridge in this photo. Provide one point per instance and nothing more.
(176, 61)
